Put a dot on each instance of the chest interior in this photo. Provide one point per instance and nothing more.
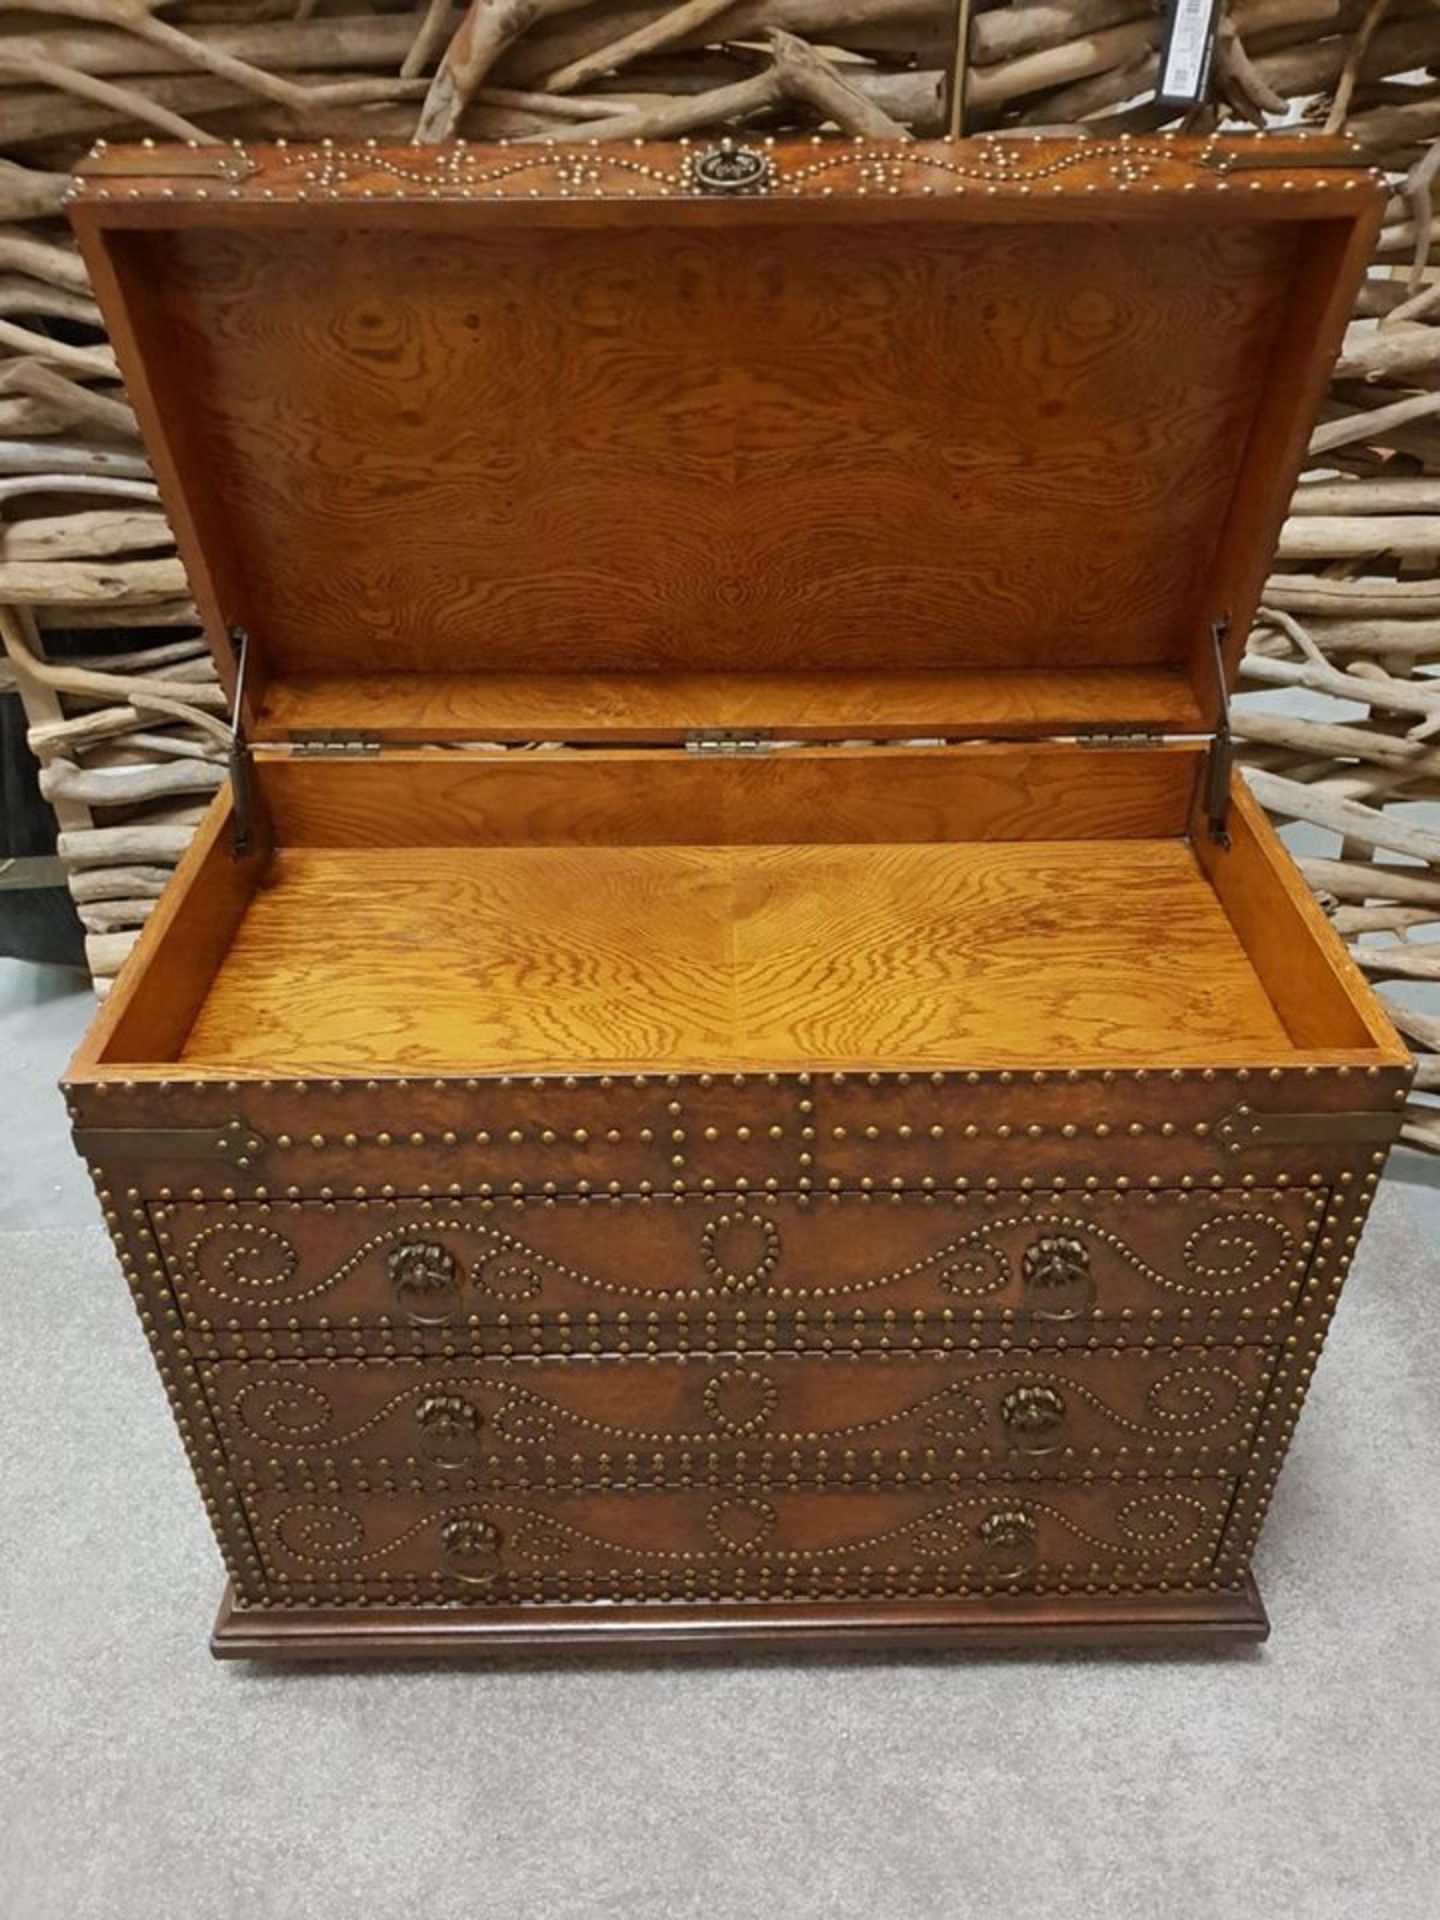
(624, 483)
(883, 908)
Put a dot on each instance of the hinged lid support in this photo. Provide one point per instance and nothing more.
(1220, 760)
(1121, 737)
(242, 798)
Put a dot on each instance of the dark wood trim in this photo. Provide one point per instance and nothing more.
(1023, 1621)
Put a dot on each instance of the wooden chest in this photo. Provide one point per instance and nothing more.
(858, 1132)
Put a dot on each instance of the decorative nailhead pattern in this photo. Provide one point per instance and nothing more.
(1016, 164)
(331, 1538)
(1338, 1186)
(1229, 1253)
(1191, 1399)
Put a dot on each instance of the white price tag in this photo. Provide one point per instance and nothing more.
(1189, 45)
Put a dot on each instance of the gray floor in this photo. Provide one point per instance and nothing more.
(139, 1779)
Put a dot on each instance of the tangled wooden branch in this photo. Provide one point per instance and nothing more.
(125, 712)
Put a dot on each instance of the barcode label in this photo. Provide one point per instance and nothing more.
(1189, 44)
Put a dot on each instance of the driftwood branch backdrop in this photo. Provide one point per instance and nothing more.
(125, 714)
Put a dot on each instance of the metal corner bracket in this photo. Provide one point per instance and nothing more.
(1244, 1129)
(233, 1142)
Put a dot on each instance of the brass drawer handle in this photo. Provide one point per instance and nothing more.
(1033, 1413)
(425, 1281)
(1055, 1270)
(449, 1428)
(1007, 1530)
(470, 1551)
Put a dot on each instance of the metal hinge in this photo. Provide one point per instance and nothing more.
(726, 740)
(1250, 152)
(1129, 737)
(337, 745)
(167, 161)
(1219, 754)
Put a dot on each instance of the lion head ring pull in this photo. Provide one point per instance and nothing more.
(731, 168)
(1034, 1416)
(425, 1281)
(470, 1551)
(1007, 1535)
(1056, 1273)
(449, 1429)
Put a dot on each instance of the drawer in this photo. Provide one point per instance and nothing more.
(676, 1545)
(839, 1420)
(734, 1273)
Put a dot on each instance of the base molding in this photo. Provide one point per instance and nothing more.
(1015, 1621)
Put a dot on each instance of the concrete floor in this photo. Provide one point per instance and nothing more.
(43, 1013)
(139, 1779)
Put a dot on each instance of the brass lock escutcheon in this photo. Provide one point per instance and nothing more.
(1056, 1273)
(731, 168)
(425, 1281)
(470, 1550)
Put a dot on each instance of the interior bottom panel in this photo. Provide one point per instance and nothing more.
(533, 958)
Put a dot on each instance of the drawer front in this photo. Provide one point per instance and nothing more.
(841, 1421)
(680, 1545)
(725, 1273)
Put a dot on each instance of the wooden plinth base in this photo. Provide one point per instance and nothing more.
(261, 1633)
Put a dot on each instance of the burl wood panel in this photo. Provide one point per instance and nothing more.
(691, 1544)
(764, 1420)
(792, 447)
(736, 1271)
(615, 959)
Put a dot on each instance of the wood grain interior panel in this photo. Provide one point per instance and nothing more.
(789, 447)
(1292, 945)
(1289, 388)
(658, 797)
(616, 707)
(150, 1008)
(627, 958)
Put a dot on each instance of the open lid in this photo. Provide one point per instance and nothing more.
(846, 439)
